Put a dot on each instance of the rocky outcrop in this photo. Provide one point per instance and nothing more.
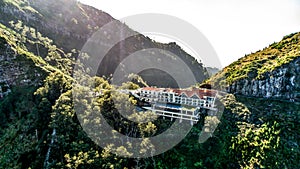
(16, 70)
(283, 82)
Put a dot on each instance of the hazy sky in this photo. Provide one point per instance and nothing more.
(233, 27)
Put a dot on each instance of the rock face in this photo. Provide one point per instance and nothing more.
(16, 70)
(283, 82)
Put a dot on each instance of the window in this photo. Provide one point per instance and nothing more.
(177, 99)
(195, 102)
(195, 96)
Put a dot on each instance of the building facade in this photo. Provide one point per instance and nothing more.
(186, 97)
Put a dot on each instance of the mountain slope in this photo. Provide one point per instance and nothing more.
(70, 24)
(271, 72)
(24, 115)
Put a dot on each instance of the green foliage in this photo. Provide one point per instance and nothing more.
(252, 133)
(55, 84)
(257, 148)
(17, 144)
(266, 133)
(23, 129)
(42, 46)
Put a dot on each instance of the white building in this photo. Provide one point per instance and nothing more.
(187, 97)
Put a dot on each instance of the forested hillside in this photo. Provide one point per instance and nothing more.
(69, 24)
(39, 127)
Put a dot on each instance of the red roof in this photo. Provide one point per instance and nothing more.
(189, 92)
(151, 88)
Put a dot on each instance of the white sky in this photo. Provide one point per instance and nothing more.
(233, 27)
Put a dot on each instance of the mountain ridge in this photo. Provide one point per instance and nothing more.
(271, 72)
(70, 24)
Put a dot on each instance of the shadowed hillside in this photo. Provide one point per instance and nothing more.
(69, 24)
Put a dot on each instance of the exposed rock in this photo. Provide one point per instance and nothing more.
(16, 70)
(283, 82)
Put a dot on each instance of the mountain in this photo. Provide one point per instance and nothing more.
(272, 72)
(39, 128)
(212, 71)
(65, 21)
(69, 24)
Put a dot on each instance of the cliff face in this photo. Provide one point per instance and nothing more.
(283, 82)
(16, 69)
(271, 72)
